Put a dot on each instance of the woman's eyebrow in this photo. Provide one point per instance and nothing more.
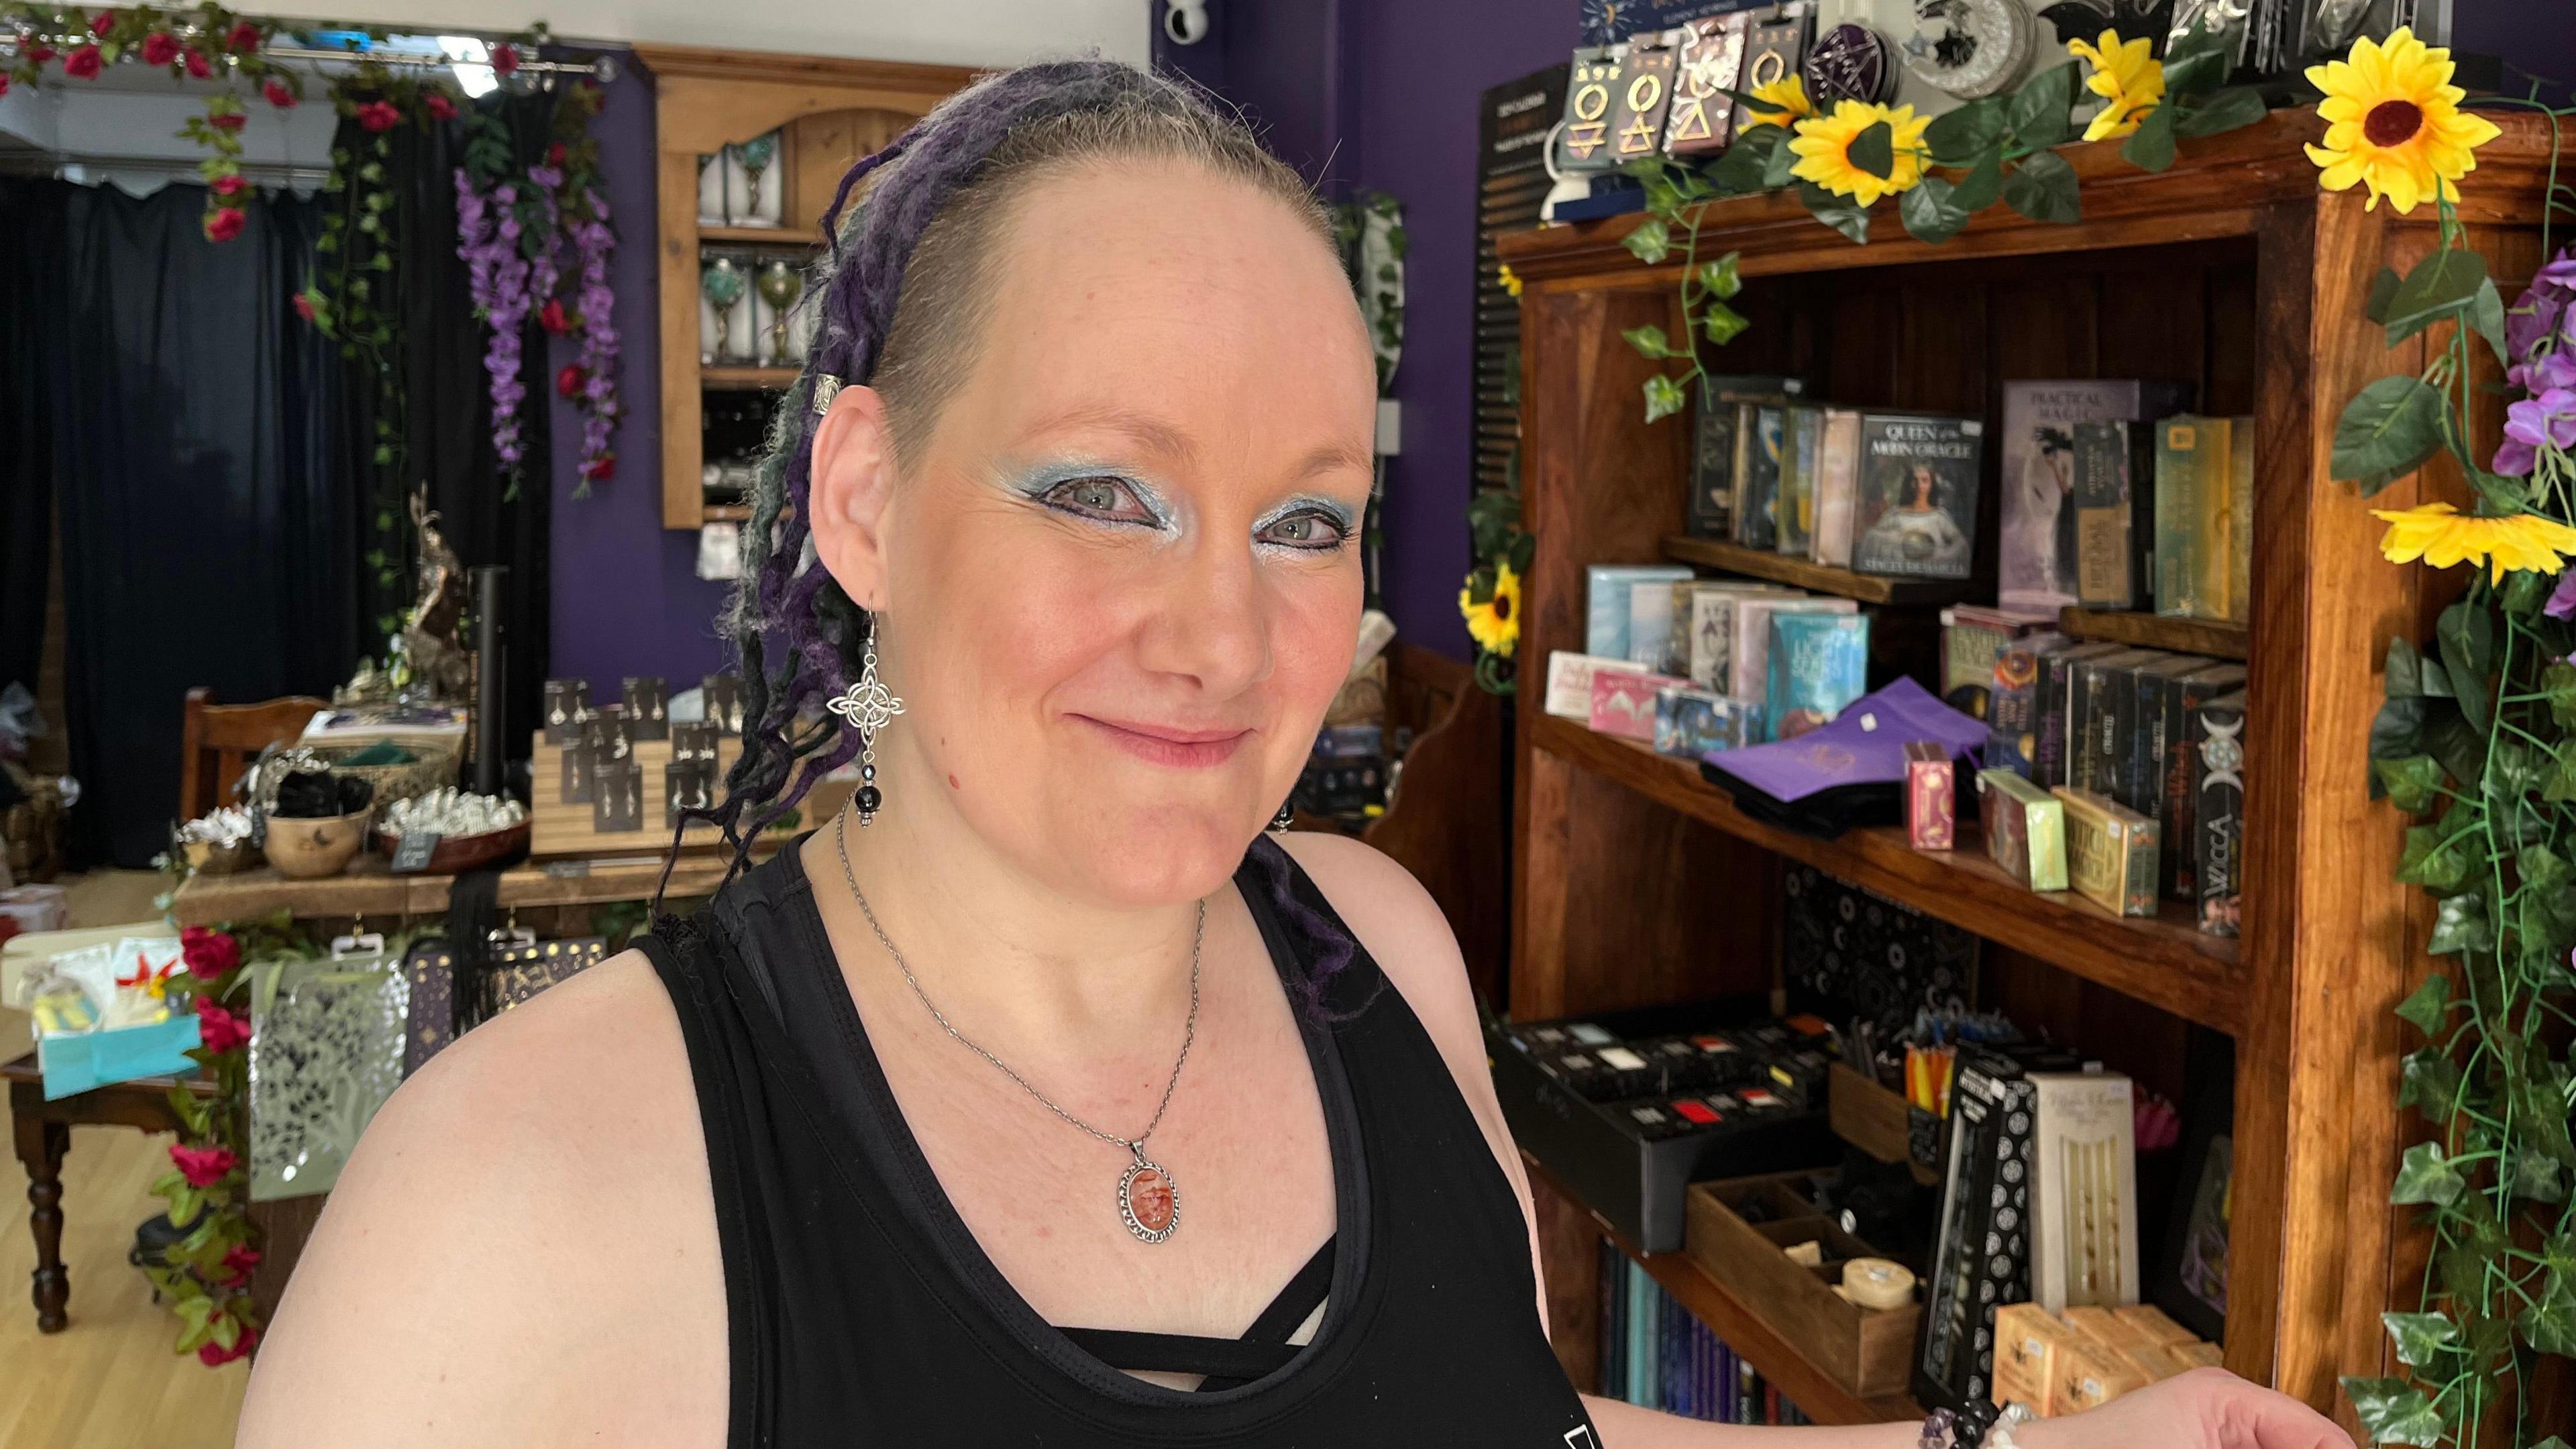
(1151, 434)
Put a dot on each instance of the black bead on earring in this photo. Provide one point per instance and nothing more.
(1287, 814)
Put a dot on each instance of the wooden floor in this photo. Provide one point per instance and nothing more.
(109, 1381)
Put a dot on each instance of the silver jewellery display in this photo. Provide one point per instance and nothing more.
(869, 707)
(1149, 1202)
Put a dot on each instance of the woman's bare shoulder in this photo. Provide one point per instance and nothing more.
(535, 1197)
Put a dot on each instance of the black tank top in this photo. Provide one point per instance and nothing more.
(861, 1311)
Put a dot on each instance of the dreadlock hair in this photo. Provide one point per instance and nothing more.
(901, 302)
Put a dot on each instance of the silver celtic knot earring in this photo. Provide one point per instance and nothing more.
(868, 706)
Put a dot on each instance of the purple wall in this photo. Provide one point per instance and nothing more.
(2535, 37)
(1397, 114)
(627, 599)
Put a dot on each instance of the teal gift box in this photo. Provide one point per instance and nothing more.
(79, 1061)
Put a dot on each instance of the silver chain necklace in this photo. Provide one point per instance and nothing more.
(1149, 1202)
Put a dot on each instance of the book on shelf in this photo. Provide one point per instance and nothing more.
(2043, 526)
(2096, 757)
(2013, 704)
(1608, 603)
(1917, 503)
(1655, 1353)
(2110, 853)
(1973, 639)
(1709, 650)
(1722, 405)
(2181, 698)
(2195, 569)
(1650, 625)
(2240, 520)
(2055, 695)
(1819, 664)
(2217, 745)
(1837, 485)
(1760, 435)
(1794, 512)
(1569, 682)
(2114, 479)
(1749, 654)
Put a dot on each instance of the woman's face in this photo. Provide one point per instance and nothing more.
(1121, 582)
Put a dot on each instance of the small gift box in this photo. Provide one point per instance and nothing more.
(1931, 819)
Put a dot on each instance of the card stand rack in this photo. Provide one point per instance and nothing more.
(560, 829)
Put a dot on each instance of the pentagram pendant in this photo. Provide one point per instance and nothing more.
(1147, 1198)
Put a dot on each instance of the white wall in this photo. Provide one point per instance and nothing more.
(958, 32)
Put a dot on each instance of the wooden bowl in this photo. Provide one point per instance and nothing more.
(309, 849)
(459, 854)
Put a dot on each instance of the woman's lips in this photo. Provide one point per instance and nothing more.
(1159, 744)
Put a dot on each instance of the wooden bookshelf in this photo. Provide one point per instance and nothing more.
(2215, 637)
(1781, 568)
(1741, 1325)
(2163, 960)
(1636, 883)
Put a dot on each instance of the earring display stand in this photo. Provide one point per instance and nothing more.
(559, 829)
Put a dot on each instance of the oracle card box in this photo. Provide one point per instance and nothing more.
(1931, 821)
(1623, 701)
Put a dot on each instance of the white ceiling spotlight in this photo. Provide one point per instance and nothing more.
(473, 70)
(1185, 21)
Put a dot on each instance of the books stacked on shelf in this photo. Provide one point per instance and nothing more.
(1877, 490)
(2067, 515)
(1694, 666)
(1656, 1355)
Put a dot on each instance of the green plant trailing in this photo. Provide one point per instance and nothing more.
(2477, 743)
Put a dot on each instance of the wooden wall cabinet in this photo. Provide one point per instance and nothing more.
(829, 113)
(2231, 269)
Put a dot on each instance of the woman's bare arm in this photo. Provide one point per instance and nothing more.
(522, 1251)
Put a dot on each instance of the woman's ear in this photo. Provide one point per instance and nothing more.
(851, 482)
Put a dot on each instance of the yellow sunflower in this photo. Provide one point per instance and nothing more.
(2394, 123)
(1783, 101)
(1495, 625)
(1823, 144)
(2441, 536)
(2125, 76)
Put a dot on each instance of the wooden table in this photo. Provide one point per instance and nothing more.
(43, 1132)
(368, 888)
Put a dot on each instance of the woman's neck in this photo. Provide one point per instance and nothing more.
(993, 942)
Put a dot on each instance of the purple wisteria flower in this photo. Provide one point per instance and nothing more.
(2548, 420)
(2562, 599)
(2540, 330)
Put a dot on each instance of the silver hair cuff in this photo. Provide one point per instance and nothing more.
(826, 388)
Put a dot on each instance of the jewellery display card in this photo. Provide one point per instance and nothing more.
(1702, 118)
(648, 707)
(567, 705)
(723, 696)
(617, 796)
(575, 788)
(1645, 92)
(1584, 145)
(689, 785)
(694, 742)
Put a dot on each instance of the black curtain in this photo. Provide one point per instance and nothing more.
(446, 418)
(202, 509)
(31, 266)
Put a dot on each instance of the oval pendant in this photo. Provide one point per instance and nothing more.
(1148, 1199)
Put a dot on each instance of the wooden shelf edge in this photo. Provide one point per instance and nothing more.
(1744, 1330)
(2163, 961)
(759, 236)
(371, 891)
(738, 378)
(1807, 574)
(2215, 637)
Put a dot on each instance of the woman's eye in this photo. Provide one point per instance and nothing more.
(1104, 498)
(1306, 530)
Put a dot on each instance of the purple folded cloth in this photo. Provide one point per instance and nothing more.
(1864, 745)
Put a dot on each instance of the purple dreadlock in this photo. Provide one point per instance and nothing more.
(905, 268)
